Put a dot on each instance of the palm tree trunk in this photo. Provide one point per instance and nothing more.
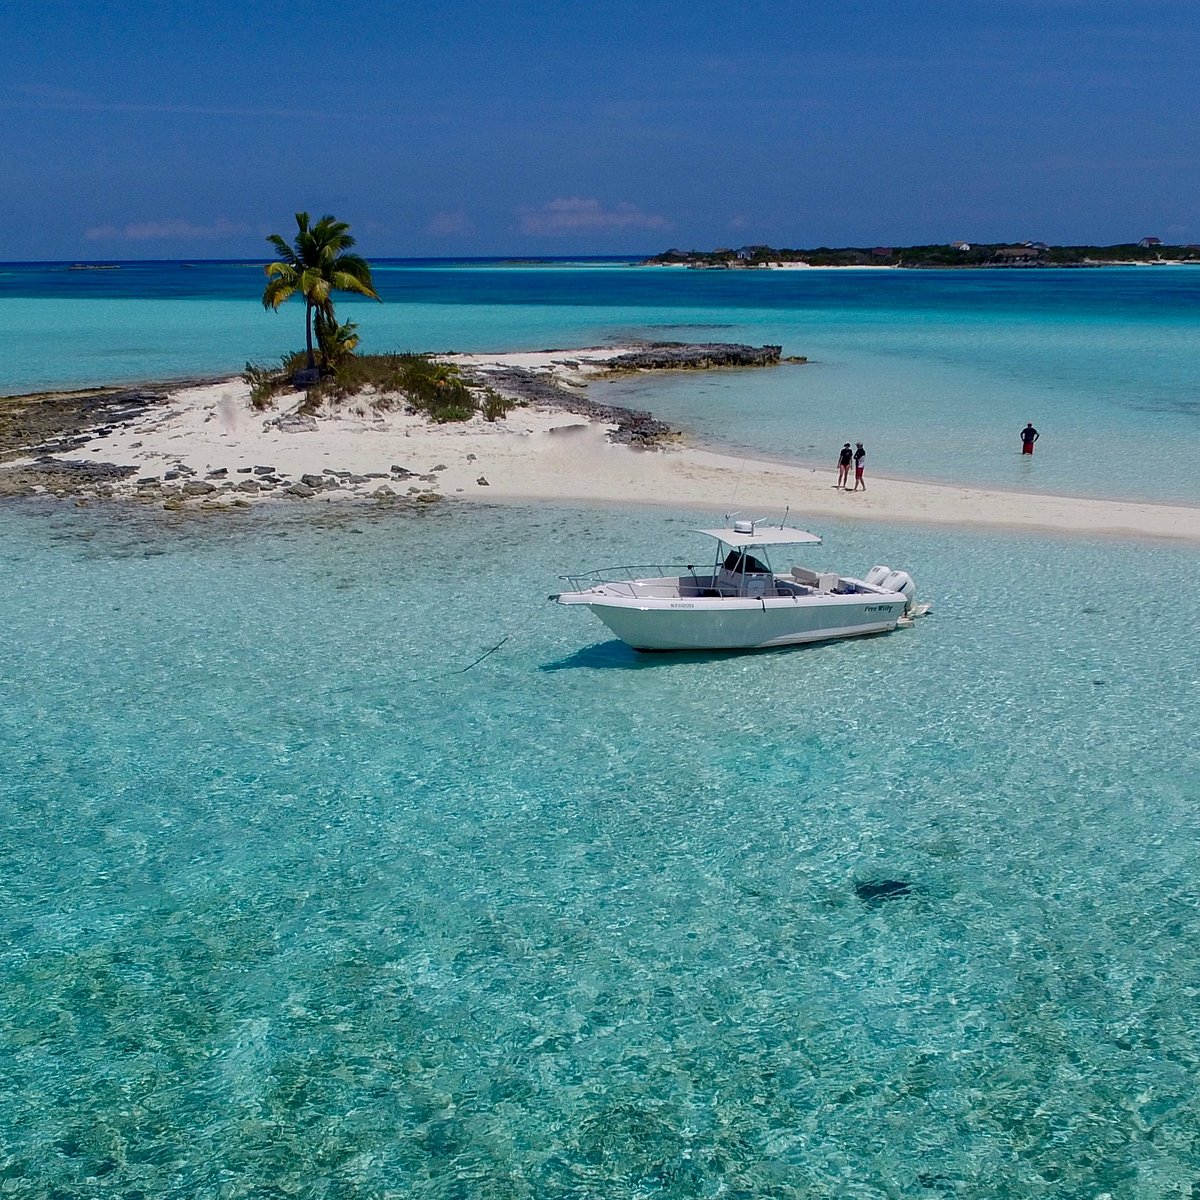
(312, 362)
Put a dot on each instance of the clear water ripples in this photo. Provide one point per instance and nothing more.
(290, 907)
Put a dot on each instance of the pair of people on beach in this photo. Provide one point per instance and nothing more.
(847, 456)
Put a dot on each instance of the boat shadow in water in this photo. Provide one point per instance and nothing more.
(615, 655)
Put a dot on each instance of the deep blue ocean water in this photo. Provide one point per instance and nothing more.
(298, 901)
(293, 904)
(936, 371)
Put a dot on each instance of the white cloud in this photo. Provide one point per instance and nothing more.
(173, 227)
(447, 224)
(574, 214)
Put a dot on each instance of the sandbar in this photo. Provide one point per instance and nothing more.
(212, 434)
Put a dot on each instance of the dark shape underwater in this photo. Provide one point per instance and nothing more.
(873, 892)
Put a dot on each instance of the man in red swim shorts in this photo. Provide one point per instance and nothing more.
(860, 462)
(1029, 435)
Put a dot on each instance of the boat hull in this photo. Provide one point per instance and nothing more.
(745, 624)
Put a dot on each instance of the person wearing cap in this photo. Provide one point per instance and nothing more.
(844, 460)
(860, 459)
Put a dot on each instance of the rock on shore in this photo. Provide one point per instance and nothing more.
(631, 426)
(685, 356)
(45, 425)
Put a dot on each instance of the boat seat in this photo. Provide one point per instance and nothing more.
(804, 575)
(828, 581)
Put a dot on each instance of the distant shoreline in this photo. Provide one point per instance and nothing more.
(805, 266)
(782, 258)
(951, 256)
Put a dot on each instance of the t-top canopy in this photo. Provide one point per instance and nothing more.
(768, 535)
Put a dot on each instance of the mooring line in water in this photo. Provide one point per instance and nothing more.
(493, 649)
(464, 670)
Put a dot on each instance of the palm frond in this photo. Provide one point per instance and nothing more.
(331, 232)
(314, 266)
(285, 252)
(345, 281)
(277, 291)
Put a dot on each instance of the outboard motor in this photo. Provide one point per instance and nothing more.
(876, 575)
(902, 582)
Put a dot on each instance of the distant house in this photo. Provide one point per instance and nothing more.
(964, 246)
(1017, 253)
(749, 253)
(1147, 243)
(1035, 245)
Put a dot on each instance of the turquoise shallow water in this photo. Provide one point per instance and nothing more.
(292, 908)
(1117, 401)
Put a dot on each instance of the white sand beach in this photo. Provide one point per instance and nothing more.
(212, 435)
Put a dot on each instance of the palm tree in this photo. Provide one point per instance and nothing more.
(316, 265)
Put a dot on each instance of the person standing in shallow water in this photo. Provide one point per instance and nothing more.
(844, 460)
(860, 461)
(1029, 435)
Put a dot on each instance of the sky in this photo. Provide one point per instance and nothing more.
(166, 129)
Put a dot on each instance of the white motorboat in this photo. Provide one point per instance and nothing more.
(741, 603)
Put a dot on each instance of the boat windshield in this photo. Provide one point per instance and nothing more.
(741, 563)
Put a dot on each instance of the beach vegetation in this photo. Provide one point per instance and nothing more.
(317, 263)
(419, 382)
(267, 382)
(495, 407)
(435, 389)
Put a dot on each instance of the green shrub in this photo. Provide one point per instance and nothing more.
(495, 406)
(435, 389)
(267, 382)
(432, 388)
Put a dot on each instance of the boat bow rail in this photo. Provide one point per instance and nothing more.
(622, 580)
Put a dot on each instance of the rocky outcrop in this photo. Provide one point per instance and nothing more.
(633, 428)
(534, 387)
(59, 422)
(291, 423)
(686, 356)
(60, 478)
(52, 423)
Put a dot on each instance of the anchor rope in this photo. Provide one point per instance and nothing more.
(492, 649)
